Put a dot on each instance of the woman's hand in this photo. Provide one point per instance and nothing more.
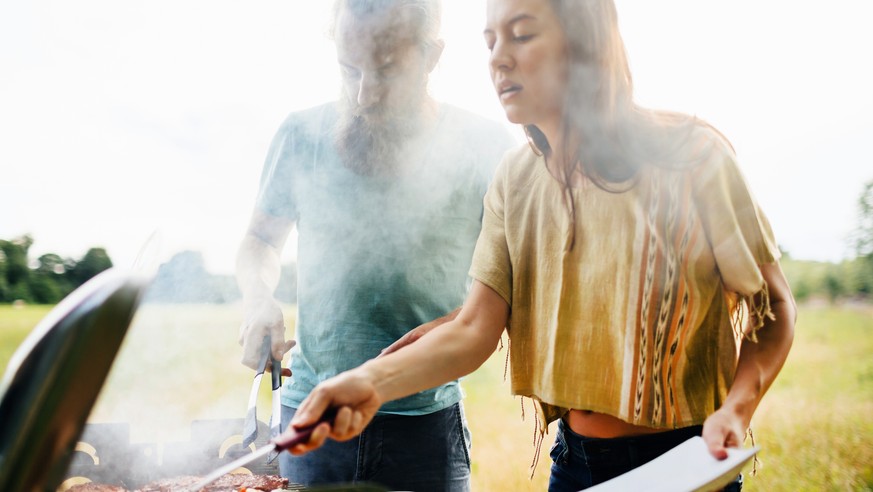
(723, 429)
(356, 399)
(758, 364)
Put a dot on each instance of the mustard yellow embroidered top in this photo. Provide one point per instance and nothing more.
(637, 319)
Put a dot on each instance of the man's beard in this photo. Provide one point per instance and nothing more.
(371, 143)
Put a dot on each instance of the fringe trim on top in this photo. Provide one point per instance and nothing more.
(539, 432)
(506, 366)
(755, 309)
(755, 460)
(540, 425)
(500, 345)
(539, 436)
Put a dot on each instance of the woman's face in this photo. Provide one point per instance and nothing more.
(528, 61)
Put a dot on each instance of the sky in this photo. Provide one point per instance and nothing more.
(125, 121)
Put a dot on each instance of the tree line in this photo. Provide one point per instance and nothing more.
(185, 279)
(47, 279)
(850, 279)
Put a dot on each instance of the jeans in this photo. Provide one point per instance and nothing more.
(420, 453)
(580, 462)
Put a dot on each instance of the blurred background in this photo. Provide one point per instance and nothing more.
(121, 118)
(135, 132)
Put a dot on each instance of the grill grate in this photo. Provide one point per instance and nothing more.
(105, 454)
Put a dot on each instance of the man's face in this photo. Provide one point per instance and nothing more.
(384, 81)
(384, 70)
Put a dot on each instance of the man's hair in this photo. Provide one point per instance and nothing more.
(423, 16)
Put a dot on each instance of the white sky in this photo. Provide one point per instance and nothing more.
(118, 119)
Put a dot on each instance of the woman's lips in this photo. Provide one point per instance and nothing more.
(507, 90)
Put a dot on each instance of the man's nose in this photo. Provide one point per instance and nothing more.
(369, 92)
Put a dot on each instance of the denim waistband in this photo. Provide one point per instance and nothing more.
(620, 454)
(668, 439)
(580, 461)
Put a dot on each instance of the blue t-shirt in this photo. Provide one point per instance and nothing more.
(377, 256)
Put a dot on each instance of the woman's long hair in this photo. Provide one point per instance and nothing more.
(615, 135)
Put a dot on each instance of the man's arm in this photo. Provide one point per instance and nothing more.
(258, 268)
(759, 363)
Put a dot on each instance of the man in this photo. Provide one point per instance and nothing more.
(385, 188)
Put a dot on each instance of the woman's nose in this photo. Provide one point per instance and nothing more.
(500, 59)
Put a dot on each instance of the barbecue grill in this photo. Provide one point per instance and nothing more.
(52, 383)
(54, 378)
(105, 454)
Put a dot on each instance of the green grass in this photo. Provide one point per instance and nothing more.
(15, 324)
(180, 363)
(814, 425)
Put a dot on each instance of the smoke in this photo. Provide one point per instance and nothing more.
(388, 189)
(178, 363)
(180, 360)
(372, 143)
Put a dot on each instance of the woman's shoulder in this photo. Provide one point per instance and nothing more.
(709, 141)
(711, 151)
(675, 141)
(692, 143)
(519, 160)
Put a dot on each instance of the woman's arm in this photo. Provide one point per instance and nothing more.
(759, 363)
(455, 349)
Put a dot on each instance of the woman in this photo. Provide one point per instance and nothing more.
(630, 251)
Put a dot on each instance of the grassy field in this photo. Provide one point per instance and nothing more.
(814, 426)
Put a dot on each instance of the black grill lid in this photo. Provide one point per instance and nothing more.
(53, 379)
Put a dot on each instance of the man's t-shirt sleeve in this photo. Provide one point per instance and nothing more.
(276, 193)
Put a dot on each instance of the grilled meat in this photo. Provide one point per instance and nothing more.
(227, 483)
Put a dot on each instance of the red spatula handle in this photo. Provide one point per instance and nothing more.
(294, 436)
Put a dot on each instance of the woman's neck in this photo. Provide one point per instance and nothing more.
(563, 147)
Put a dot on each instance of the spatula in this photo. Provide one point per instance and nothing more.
(288, 440)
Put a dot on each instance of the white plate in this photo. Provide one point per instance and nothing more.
(687, 467)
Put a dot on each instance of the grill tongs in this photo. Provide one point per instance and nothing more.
(250, 427)
(288, 440)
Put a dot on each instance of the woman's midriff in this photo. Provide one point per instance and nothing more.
(601, 425)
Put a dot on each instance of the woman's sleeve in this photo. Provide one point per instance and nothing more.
(738, 232)
(491, 263)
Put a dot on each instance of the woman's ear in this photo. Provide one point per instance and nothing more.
(433, 54)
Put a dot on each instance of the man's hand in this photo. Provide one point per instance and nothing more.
(410, 337)
(357, 402)
(418, 332)
(721, 430)
(262, 319)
